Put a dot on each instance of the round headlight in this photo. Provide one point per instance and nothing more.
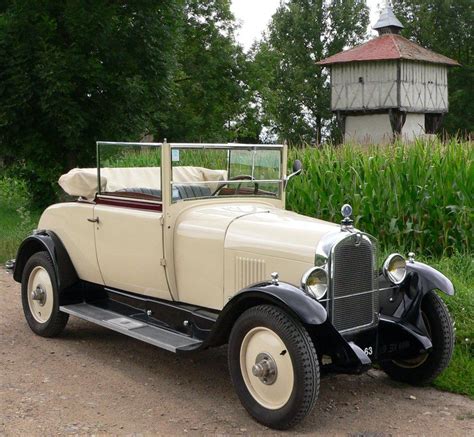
(395, 268)
(315, 282)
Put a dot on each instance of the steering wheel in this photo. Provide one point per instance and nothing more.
(243, 177)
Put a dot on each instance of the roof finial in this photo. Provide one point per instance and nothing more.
(388, 22)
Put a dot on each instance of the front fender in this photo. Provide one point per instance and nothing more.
(427, 278)
(47, 241)
(420, 280)
(306, 309)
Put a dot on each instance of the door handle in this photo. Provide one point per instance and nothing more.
(93, 220)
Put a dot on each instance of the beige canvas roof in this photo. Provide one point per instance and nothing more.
(82, 182)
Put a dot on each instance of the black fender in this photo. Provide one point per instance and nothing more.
(292, 299)
(400, 339)
(43, 240)
(427, 278)
(420, 280)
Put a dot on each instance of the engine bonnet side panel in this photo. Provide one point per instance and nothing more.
(199, 236)
(278, 241)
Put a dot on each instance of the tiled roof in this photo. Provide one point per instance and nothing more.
(386, 47)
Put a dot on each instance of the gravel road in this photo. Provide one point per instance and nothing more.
(91, 380)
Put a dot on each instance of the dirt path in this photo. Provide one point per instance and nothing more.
(91, 380)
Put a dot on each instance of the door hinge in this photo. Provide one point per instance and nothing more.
(162, 262)
(162, 220)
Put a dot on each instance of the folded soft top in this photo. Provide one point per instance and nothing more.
(82, 182)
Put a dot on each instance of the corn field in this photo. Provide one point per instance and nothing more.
(415, 197)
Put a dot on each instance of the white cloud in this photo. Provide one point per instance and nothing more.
(254, 16)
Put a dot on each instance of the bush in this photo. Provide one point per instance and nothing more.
(16, 218)
(13, 192)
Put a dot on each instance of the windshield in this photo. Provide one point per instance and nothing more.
(200, 171)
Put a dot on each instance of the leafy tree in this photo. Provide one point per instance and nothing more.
(445, 26)
(296, 95)
(209, 84)
(73, 72)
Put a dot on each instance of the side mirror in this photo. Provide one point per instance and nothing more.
(297, 169)
(297, 166)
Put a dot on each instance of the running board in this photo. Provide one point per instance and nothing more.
(170, 340)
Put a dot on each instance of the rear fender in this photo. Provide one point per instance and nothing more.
(66, 275)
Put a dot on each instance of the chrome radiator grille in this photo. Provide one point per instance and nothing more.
(354, 286)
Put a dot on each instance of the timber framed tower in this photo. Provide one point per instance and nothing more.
(388, 87)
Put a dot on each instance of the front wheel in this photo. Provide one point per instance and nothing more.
(273, 366)
(425, 368)
(39, 296)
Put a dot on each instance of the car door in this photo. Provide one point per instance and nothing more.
(129, 246)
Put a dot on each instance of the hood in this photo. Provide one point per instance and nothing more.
(212, 219)
(278, 233)
(211, 241)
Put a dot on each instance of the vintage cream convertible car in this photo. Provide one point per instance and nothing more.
(187, 246)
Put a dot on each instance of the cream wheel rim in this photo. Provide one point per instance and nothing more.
(40, 294)
(266, 368)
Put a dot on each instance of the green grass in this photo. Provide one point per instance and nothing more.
(459, 377)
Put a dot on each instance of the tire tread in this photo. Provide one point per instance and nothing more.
(58, 321)
(307, 357)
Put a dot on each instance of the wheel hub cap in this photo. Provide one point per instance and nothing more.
(265, 368)
(39, 294)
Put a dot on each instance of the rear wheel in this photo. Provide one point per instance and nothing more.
(39, 295)
(425, 368)
(273, 366)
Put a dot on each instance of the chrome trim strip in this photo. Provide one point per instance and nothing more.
(225, 146)
(356, 294)
(236, 181)
(194, 145)
(132, 199)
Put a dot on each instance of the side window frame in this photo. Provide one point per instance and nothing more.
(104, 198)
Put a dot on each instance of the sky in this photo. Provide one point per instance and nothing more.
(254, 16)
